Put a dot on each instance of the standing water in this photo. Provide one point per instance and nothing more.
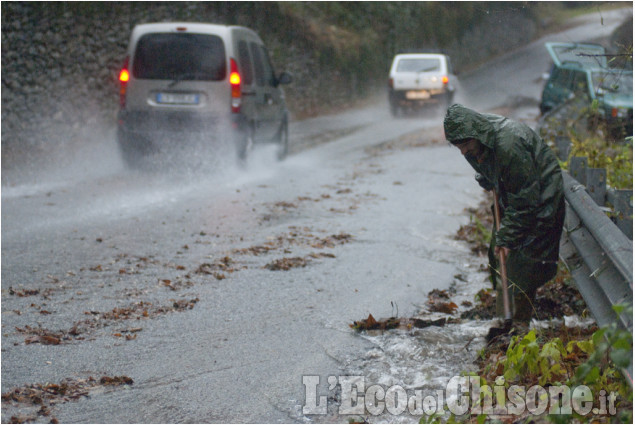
(406, 372)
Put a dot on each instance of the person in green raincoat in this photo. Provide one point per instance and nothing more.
(511, 159)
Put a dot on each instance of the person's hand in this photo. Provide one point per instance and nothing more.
(504, 249)
(483, 182)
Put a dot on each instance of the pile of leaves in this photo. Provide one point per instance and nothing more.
(372, 324)
(218, 268)
(302, 237)
(45, 396)
(485, 307)
(289, 263)
(439, 301)
(133, 312)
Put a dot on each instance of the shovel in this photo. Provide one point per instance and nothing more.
(507, 325)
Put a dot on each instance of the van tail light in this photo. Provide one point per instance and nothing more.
(445, 79)
(391, 84)
(614, 112)
(234, 81)
(124, 77)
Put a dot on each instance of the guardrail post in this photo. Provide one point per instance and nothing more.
(596, 184)
(577, 168)
(563, 147)
(622, 201)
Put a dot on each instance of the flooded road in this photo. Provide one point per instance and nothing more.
(362, 224)
(217, 294)
(267, 270)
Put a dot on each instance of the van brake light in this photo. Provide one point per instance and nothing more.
(234, 81)
(124, 77)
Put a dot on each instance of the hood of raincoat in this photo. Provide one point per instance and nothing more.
(525, 173)
(463, 123)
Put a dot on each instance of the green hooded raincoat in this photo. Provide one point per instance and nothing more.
(526, 175)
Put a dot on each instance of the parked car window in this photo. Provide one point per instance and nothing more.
(561, 77)
(270, 77)
(167, 56)
(579, 83)
(258, 64)
(419, 65)
(245, 63)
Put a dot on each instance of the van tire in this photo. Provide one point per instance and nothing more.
(244, 143)
(283, 141)
(130, 155)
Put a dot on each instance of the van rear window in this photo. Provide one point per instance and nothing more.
(419, 65)
(180, 56)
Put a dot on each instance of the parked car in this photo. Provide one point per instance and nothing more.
(212, 83)
(581, 70)
(420, 79)
(568, 75)
(613, 91)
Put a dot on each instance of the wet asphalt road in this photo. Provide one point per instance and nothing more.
(165, 277)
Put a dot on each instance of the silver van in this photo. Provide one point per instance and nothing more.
(185, 83)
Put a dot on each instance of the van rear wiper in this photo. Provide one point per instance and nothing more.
(180, 78)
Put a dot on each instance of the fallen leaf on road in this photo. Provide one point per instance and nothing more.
(285, 264)
(23, 292)
(117, 380)
(371, 324)
(441, 307)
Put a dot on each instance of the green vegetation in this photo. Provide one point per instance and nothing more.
(569, 357)
(617, 159)
(590, 138)
(554, 356)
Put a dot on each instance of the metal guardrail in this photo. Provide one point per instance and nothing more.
(599, 256)
(597, 250)
(594, 179)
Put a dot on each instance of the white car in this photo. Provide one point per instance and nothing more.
(420, 79)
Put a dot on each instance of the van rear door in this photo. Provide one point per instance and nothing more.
(177, 70)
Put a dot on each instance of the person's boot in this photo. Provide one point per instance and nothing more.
(523, 307)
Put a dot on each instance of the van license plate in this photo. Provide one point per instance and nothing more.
(417, 94)
(177, 98)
